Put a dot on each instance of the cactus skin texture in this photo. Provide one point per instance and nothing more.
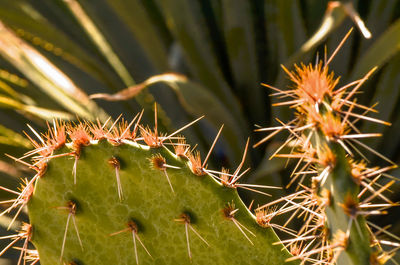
(342, 191)
(123, 202)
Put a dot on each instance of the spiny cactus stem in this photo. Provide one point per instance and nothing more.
(343, 206)
(332, 205)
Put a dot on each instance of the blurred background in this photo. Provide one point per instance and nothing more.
(53, 54)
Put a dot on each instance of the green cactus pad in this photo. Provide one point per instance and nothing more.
(149, 203)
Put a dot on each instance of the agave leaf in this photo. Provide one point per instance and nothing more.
(386, 46)
(43, 113)
(269, 167)
(313, 12)
(270, 173)
(349, 8)
(40, 99)
(47, 76)
(391, 146)
(241, 46)
(379, 18)
(8, 90)
(35, 28)
(291, 25)
(145, 99)
(387, 95)
(23, 91)
(27, 93)
(196, 100)
(187, 23)
(344, 58)
(99, 40)
(273, 40)
(286, 23)
(144, 30)
(9, 137)
(13, 78)
(386, 92)
(285, 28)
(334, 17)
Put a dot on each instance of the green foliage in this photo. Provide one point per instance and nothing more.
(53, 54)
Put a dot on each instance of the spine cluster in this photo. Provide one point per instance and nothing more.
(335, 190)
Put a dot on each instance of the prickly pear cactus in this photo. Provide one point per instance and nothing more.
(107, 196)
(336, 190)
